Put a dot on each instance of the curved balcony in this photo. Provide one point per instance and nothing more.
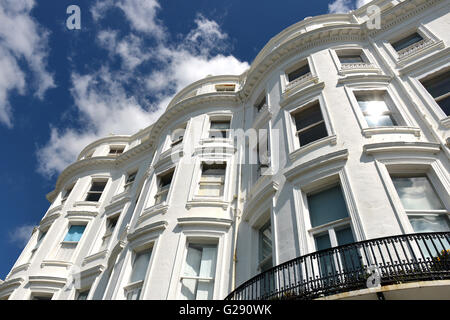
(360, 265)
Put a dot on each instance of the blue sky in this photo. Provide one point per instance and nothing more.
(127, 61)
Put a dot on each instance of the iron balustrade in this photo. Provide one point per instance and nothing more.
(359, 265)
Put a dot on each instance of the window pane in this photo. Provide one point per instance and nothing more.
(429, 223)
(445, 105)
(75, 233)
(312, 134)
(200, 262)
(265, 242)
(327, 206)
(380, 121)
(372, 107)
(307, 116)
(220, 124)
(98, 186)
(417, 193)
(140, 265)
(326, 261)
(350, 59)
(407, 41)
(93, 197)
(83, 295)
(349, 257)
(439, 85)
(298, 73)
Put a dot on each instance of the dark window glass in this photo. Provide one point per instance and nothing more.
(298, 73)
(350, 58)
(439, 88)
(310, 124)
(406, 42)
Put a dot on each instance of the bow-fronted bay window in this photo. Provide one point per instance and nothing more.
(212, 179)
(438, 86)
(422, 204)
(129, 180)
(219, 128)
(197, 280)
(139, 269)
(164, 180)
(96, 190)
(309, 123)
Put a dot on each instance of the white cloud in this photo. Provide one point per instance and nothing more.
(20, 235)
(340, 6)
(103, 102)
(360, 3)
(129, 48)
(21, 38)
(140, 13)
(344, 6)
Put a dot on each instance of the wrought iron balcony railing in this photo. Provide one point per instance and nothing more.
(359, 265)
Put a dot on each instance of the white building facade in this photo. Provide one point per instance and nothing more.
(356, 123)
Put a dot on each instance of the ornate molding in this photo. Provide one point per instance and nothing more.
(299, 169)
(401, 146)
(156, 226)
(205, 221)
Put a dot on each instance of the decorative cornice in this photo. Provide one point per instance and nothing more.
(204, 221)
(301, 90)
(22, 267)
(47, 280)
(264, 190)
(81, 214)
(316, 163)
(206, 202)
(8, 286)
(118, 203)
(330, 140)
(366, 78)
(93, 257)
(401, 146)
(156, 226)
(152, 211)
(48, 220)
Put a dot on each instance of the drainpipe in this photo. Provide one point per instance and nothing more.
(238, 209)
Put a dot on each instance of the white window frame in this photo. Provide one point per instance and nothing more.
(401, 32)
(303, 80)
(127, 186)
(321, 180)
(368, 65)
(132, 286)
(430, 101)
(102, 196)
(404, 121)
(196, 234)
(293, 143)
(434, 171)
